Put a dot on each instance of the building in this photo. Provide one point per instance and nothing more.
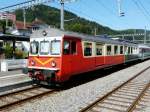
(8, 16)
(38, 24)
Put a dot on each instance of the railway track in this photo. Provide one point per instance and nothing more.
(127, 97)
(20, 96)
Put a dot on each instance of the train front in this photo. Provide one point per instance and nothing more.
(45, 59)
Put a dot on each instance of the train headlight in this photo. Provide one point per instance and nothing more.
(32, 63)
(44, 33)
(53, 64)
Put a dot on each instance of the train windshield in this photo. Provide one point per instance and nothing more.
(44, 47)
(55, 47)
(34, 47)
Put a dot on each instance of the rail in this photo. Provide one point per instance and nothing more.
(134, 95)
(11, 64)
(24, 95)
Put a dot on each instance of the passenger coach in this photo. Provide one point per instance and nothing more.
(56, 55)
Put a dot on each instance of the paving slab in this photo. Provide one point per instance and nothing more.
(13, 79)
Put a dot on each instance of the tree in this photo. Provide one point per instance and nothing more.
(3, 26)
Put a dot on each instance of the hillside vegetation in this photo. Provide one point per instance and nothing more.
(51, 16)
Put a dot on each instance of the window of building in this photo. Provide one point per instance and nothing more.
(66, 49)
(73, 47)
(109, 50)
(121, 49)
(87, 49)
(99, 49)
(115, 49)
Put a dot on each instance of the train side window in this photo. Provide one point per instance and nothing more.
(126, 50)
(121, 49)
(135, 50)
(73, 47)
(129, 50)
(99, 49)
(109, 50)
(66, 49)
(115, 49)
(87, 49)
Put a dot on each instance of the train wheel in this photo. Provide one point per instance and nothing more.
(35, 81)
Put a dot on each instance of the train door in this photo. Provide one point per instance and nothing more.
(75, 57)
(66, 67)
(71, 57)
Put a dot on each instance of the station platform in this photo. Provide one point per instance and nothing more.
(13, 79)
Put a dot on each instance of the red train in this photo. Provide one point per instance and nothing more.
(56, 55)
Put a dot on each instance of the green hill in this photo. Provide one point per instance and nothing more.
(51, 16)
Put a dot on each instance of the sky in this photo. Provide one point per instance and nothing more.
(105, 12)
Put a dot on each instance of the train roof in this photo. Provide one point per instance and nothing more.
(143, 46)
(52, 32)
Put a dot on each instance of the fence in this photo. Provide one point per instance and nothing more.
(6, 65)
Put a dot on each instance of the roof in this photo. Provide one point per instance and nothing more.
(52, 32)
(14, 38)
(20, 25)
(37, 21)
(143, 46)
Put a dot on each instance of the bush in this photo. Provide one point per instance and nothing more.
(8, 50)
(19, 54)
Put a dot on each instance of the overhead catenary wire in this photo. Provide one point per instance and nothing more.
(25, 4)
(100, 3)
(103, 5)
(144, 8)
(141, 10)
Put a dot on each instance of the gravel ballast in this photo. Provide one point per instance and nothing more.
(72, 100)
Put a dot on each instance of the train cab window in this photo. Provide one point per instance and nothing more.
(66, 49)
(115, 49)
(87, 49)
(99, 49)
(121, 49)
(44, 47)
(73, 47)
(34, 47)
(109, 50)
(55, 47)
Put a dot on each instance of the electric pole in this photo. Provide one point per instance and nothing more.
(7, 20)
(145, 35)
(24, 18)
(95, 31)
(62, 2)
(62, 15)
